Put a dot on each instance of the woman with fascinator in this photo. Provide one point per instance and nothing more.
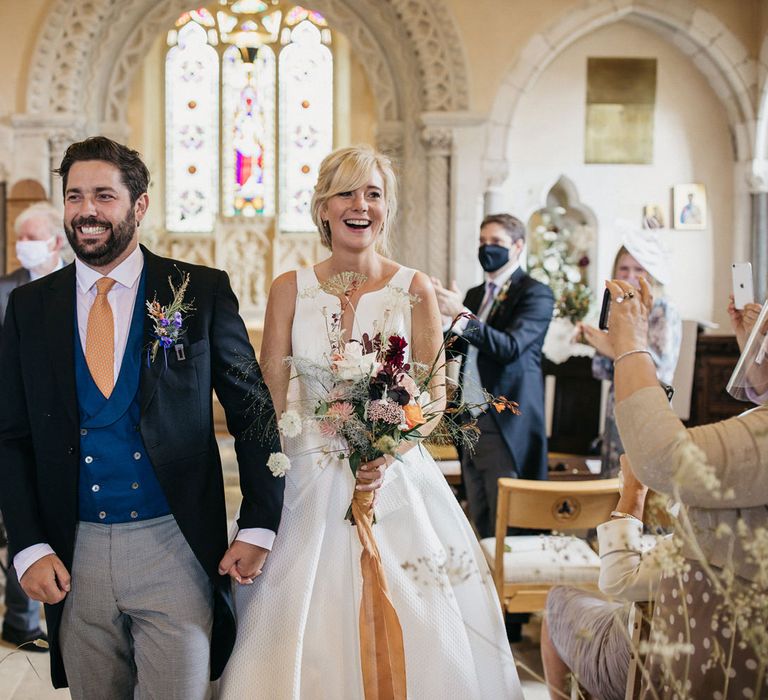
(641, 255)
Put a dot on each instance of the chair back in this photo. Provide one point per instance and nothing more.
(549, 505)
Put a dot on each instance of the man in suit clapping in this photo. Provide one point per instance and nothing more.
(501, 350)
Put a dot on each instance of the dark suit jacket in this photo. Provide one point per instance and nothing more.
(8, 283)
(509, 362)
(39, 427)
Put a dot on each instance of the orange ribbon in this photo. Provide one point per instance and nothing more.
(381, 637)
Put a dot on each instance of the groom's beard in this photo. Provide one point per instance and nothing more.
(100, 253)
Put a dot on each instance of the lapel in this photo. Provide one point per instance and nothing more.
(508, 294)
(60, 324)
(474, 298)
(155, 282)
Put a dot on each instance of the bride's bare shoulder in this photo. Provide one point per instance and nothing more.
(284, 287)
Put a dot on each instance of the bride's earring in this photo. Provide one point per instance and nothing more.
(327, 228)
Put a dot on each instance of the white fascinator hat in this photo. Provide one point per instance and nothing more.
(647, 247)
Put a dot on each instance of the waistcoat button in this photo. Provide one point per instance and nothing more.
(95, 488)
(88, 459)
(134, 514)
(102, 515)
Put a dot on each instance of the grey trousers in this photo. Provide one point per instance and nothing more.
(137, 622)
(481, 470)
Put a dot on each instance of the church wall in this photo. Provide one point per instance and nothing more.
(547, 140)
(20, 23)
(495, 31)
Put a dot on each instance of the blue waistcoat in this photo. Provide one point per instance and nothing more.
(117, 480)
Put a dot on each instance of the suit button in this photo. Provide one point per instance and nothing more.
(102, 515)
(71, 450)
(83, 431)
(134, 514)
(88, 459)
(137, 455)
(135, 485)
(95, 488)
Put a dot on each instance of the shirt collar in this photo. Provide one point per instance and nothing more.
(125, 274)
(501, 279)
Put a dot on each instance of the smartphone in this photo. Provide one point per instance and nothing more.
(605, 310)
(743, 290)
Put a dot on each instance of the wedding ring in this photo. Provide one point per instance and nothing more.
(618, 300)
(629, 295)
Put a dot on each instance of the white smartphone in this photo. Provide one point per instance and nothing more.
(743, 290)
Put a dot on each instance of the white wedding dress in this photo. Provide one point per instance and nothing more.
(298, 623)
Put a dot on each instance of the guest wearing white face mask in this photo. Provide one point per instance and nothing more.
(40, 239)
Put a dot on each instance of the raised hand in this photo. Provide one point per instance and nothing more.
(450, 301)
(47, 580)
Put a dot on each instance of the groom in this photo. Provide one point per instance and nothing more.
(110, 476)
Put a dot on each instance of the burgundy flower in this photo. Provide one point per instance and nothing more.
(584, 261)
(396, 350)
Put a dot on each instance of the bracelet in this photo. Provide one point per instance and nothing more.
(631, 352)
(620, 514)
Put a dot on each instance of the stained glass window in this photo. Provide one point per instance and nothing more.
(306, 122)
(289, 83)
(192, 131)
(248, 125)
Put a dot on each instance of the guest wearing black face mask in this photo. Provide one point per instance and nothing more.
(501, 350)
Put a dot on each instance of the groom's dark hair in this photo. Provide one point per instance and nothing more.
(133, 172)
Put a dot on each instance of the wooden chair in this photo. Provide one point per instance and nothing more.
(525, 567)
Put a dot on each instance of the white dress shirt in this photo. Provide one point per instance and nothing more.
(122, 299)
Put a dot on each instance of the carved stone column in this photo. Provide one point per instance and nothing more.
(390, 140)
(438, 142)
(38, 146)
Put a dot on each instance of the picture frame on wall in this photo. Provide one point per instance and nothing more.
(689, 206)
(653, 216)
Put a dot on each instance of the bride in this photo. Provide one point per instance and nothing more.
(299, 622)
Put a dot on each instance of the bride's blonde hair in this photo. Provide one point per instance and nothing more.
(346, 169)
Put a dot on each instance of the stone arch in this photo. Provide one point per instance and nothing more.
(711, 47)
(96, 45)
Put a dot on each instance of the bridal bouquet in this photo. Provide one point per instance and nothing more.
(368, 398)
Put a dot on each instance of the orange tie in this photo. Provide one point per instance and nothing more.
(100, 339)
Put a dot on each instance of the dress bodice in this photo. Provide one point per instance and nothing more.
(386, 310)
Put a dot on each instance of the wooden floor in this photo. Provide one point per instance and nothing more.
(25, 676)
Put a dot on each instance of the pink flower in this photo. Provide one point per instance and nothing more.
(328, 428)
(342, 411)
(406, 381)
(387, 411)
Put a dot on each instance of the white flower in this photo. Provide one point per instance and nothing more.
(278, 464)
(424, 399)
(354, 365)
(290, 424)
(551, 263)
(573, 274)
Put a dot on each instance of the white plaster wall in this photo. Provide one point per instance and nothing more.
(691, 144)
